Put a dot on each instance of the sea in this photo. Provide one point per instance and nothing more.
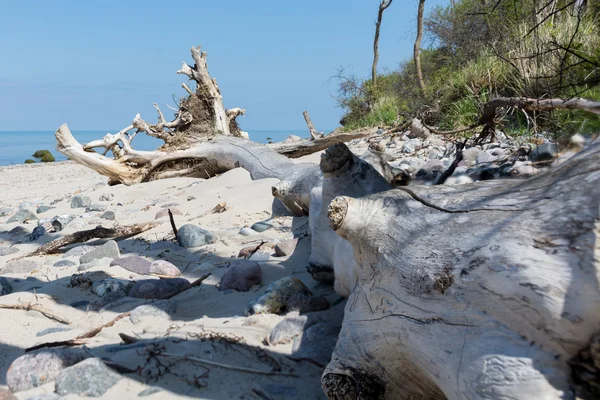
(17, 146)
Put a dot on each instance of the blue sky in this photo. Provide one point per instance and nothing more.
(95, 64)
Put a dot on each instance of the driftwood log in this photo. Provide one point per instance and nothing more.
(481, 291)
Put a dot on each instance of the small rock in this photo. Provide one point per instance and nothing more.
(417, 129)
(545, 152)
(80, 201)
(5, 286)
(109, 249)
(134, 264)
(287, 330)
(260, 256)
(577, 141)
(90, 377)
(485, 157)
(78, 251)
(193, 236)
(22, 266)
(102, 287)
(241, 276)
(307, 304)
(51, 330)
(247, 232)
(278, 294)
(22, 216)
(95, 207)
(35, 369)
(190, 198)
(164, 212)
(108, 298)
(37, 233)
(6, 251)
(317, 342)
(292, 139)
(470, 154)
(18, 231)
(106, 197)
(99, 262)
(170, 205)
(164, 268)
(150, 391)
(261, 226)
(43, 209)
(80, 281)
(285, 248)
(27, 205)
(109, 215)
(162, 308)
(61, 221)
(157, 288)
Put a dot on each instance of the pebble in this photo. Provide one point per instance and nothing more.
(37, 233)
(106, 197)
(95, 207)
(22, 216)
(99, 262)
(286, 330)
(247, 232)
(164, 268)
(5, 286)
(165, 212)
(285, 248)
(26, 205)
(109, 215)
(157, 288)
(43, 209)
(22, 266)
(51, 330)
(6, 251)
(108, 298)
(18, 231)
(59, 222)
(261, 226)
(545, 152)
(278, 294)
(35, 369)
(90, 378)
(102, 287)
(193, 236)
(134, 264)
(317, 342)
(169, 205)
(260, 256)
(161, 308)
(77, 251)
(149, 391)
(80, 201)
(109, 249)
(241, 276)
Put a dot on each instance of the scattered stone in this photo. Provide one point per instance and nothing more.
(80, 280)
(108, 298)
(418, 130)
(545, 152)
(6, 251)
(247, 232)
(109, 215)
(149, 391)
(22, 216)
(37, 233)
(287, 330)
(95, 207)
(161, 308)
(78, 224)
(27, 205)
(285, 248)
(22, 266)
(261, 226)
(485, 157)
(134, 264)
(35, 369)
(241, 276)
(193, 236)
(260, 256)
(61, 221)
(102, 287)
(190, 198)
(470, 154)
(106, 197)
(99, 262)
(80, 201)
(90, 377)
(170, 205)
(164, 268)
(308, 304)
(278, 294)
(577, 141)
(43, 209)
(317, 342)
(51, 330)
(5, 286)
(78, 251)
(18, 231)
(109, 249)
(157, 288)
(164, 212)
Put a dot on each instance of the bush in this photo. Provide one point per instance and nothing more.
(41, 153)
(29, 161)
(48, 158)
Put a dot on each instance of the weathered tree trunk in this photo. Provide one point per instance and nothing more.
(417, 48)
(473, 292)
(383, 5)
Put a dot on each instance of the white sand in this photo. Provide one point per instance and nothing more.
(200, 310)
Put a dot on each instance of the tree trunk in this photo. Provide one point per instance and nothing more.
(382, 7)
(472, 292)
(417, 49)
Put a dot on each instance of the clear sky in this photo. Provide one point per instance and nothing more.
(95, 64)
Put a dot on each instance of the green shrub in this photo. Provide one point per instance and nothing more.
(29, 161)
(41, 153)
(47, 157)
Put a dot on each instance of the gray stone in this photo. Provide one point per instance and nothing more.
(470, 154)
(35, 369)
(6, 251)
(545, 152)
(64, 263)
(43, 209)
(37, 233)
(18, 231)
(149, 391)
(484, 157)
(107, 299)
(95, 207)
(286, 330)
(78, 251)
(305, 304)
(433, 165)
(51, 330)
(317, 342)
(5, 286)
(26, 205)
(157, 288)
(417, 129)
(80, 201)
(193, 236)
(261, 226)
(106, 197)
(22, 216)
(164, 212)
(164, 268)
(278, 294)
(109, 215)
(109, 249)
(169, 205)
(162, 308)
(98, 262)
(241, 276)
(78, 224)
(22, 266)
(90, 378)
(105, 286)
(134, 264)
(247, 232)
(59, 222)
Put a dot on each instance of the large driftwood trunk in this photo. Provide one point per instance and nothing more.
(481, 291)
